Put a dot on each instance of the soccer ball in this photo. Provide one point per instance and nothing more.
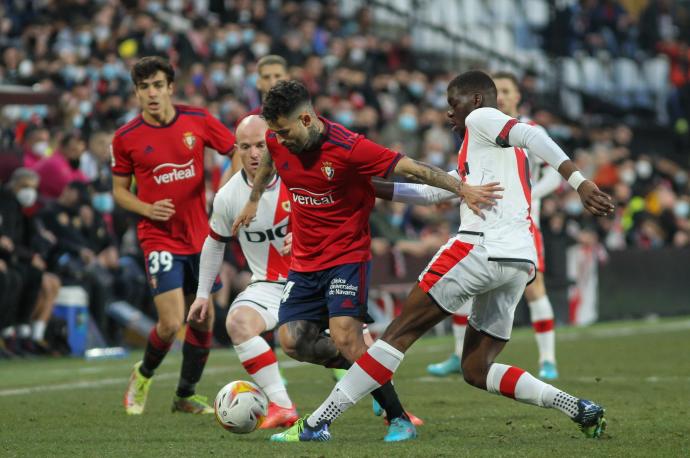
(240, 407)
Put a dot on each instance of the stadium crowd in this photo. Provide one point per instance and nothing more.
(59, 225)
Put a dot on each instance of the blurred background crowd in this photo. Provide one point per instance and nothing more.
(59, 223)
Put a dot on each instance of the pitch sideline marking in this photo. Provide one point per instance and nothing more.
(585, 333)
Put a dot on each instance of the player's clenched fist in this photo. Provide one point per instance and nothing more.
(245, 217)
(161, 210)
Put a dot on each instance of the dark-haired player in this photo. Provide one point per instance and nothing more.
(490, 260)
(163, 149)
(327, 170)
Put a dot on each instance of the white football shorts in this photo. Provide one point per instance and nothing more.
(264, 297)
(462, 271)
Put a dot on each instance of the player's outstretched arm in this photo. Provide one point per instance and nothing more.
(412, 193)
(209, 265)
(263, 176)
(161, 210)
(538, 142)
(474, 196)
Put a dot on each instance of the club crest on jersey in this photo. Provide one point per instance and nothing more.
(328, 170)
(286, 205)
(189, 140)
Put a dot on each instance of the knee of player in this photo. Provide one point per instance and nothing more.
(287, 343)
(474, 374)
(238, 327)
(351, 346)
(169, 326)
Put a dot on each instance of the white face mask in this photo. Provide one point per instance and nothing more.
(27, 197)
(40, 148)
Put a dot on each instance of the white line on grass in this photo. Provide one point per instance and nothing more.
(115, 381)
(584, 333)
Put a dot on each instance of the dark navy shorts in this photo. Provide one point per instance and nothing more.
(317, 296)
(166, 271)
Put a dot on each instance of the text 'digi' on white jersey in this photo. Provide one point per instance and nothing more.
(486, 157)
(263, 239)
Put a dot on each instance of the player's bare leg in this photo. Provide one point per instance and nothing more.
(303, 341)
(542, 317)
(170, 308)
(452, 364)
(373, 369)
(480, 370)
(244, 326)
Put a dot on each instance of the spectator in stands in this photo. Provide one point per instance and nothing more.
(62, 167)
(36, 145)
(23, 248)
(85, 253)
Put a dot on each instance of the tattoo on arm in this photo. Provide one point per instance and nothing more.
(428, 174)
(262, 177)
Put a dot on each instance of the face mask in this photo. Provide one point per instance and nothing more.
(103, 202)
(416, 88)
(219, 48)
(162, 41)
(233, 39)
(573, 208)
(101, 32)
(436, 158)
(260, 49)
(41, 111)
(644, 169)
(109, 72)
(252, 79)
(40, 148)
(218, 77)
(26, 68)
(248, 35)
(154, 7)
(27, 197)
(682, 209)
(357, 55)
(407, 122)
(85, 107)
(84, 38)
(681, 178)
(78, 121)
(628, 176)
(346, 118)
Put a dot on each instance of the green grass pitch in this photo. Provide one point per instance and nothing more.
(640, 371)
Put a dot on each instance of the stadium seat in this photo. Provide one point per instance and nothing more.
(596, 76)
(536, 12)
(571, 73)
(503, 40)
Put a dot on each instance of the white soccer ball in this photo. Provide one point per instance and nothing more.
(240, 407)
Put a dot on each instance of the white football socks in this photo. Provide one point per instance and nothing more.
(261, 363)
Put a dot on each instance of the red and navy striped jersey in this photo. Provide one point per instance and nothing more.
(331, 196)
(168, 163)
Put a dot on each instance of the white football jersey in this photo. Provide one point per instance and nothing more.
(485, 157)
(263, 239)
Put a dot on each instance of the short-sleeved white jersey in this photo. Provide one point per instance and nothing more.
(263, 239)
(485, 156)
